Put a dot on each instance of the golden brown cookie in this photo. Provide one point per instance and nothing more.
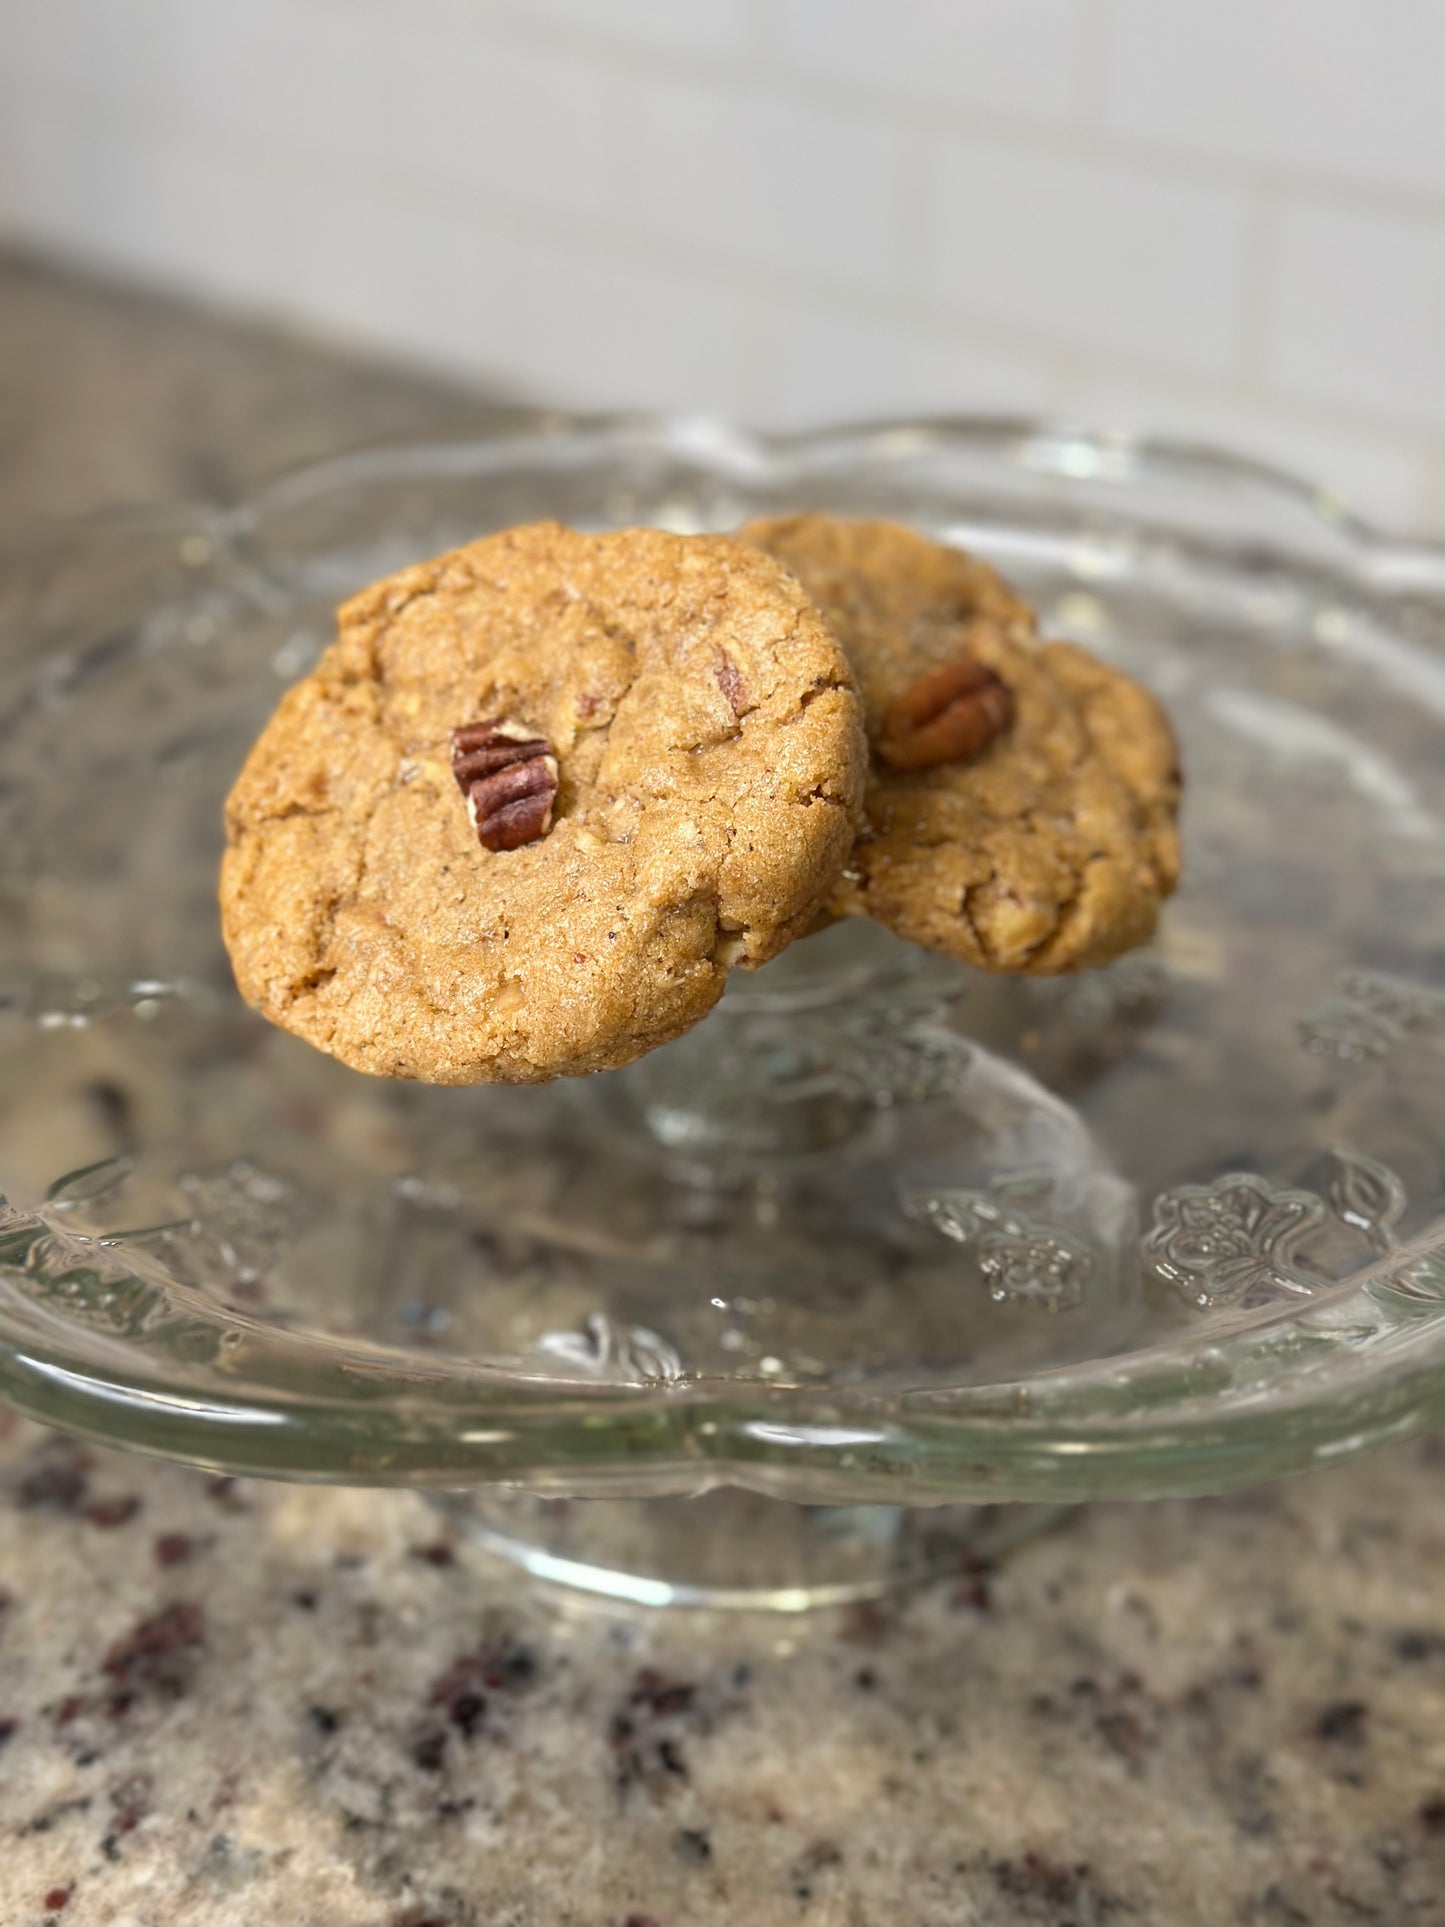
(667, 782)
(1049, 848)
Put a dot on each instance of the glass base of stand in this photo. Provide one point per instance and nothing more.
(785, 1136)
(736, 1550)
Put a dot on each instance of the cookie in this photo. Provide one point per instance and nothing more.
(536, 799)
(1048, 840)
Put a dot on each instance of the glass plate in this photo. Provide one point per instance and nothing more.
(882, 1229)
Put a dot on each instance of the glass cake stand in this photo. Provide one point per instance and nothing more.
(888, 1259)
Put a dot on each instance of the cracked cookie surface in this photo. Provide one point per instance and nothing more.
(1053, 849)
(711, 758)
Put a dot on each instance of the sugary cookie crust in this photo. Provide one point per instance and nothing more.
(1051, 851)
(711, 758)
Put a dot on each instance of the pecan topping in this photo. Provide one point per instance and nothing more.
(950, 715)
(509, 778)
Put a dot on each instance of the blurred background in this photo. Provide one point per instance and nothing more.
(1224, 218)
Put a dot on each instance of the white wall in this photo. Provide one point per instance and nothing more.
(1225, 217)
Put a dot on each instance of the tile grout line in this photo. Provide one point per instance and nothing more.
(1258, 286)
(1095, 30)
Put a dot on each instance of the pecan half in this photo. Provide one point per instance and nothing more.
(509, 777)
(950, 715)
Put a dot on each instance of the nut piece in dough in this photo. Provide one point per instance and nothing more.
(709, 753)
(1052, 849)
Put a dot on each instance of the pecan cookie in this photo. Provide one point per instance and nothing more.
(1021, 803)
(536, 799)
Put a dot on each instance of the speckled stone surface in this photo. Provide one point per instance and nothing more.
(232, 1705)
(111, 396)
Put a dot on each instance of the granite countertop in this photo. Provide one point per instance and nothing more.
(223, 1704)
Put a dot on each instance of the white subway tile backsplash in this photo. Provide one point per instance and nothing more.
(275, 74)
(1359, 316)
(603, 333)
(99, 51)
(1376, 473)
(45, 40)
(1430, 509)
(89, 49)
(11, 196)
(472, 113)
(800, 188)
(152, 205)
(1091, 252)
(1223, 219)
(1012, 56)
(1350, 88)
(431, 283)
(54, 168)
(693, 26)
(186, 217)
(824, 366)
